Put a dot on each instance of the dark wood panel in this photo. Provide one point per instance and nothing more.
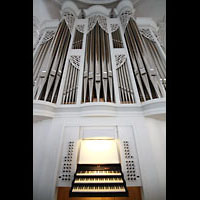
(134, 194)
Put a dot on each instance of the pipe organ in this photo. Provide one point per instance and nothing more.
(98, 57)
(50, 74)
(98, 81)
(147, 63)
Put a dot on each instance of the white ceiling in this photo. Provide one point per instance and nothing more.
(50, 9)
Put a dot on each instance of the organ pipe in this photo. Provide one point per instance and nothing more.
(78, 40)
(144, 67)
(39, 58)
(125, 85)
(148, 64)
(51, 72)
(97, 69)
(117, 41)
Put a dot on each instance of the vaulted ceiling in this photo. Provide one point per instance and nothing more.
(50, 9)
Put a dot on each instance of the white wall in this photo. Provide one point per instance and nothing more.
(46, 142)
(149, 135)
(157, 135)
(45, 10)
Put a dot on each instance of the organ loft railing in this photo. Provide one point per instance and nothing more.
(98, 56)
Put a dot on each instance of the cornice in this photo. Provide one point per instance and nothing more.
(146, 22)
(49, 110)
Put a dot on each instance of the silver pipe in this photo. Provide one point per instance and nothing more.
(38, 63)
(157, 65)
(97, 64)
(76, 89)
(146, 57)
(126, 83)
(134, 63)
(49, 58)
(38, 55)
(161, 63)
(121, 85)
(61, 63)
(108, 62)
(86, 67)
(74, 86)
(118, 38)
(91, 66)
(161, 76)
(66, 84)
(69, 82)
(104, 67)
(129, 82)
(141, 65)
(55, 63)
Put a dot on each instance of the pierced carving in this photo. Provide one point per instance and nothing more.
(80, 28)
(147, 33)
(120, 59)
(125, 16)
(70, 19)
(75, 61)
(91, 22)
(101, 20)
(48, 35)
(113, 27)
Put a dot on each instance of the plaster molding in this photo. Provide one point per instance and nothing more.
(69, 6)
(97, 10)
(147, 22)
(49, 24)
(50, 110)
(125, 5)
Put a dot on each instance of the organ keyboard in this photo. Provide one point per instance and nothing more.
(98, 180)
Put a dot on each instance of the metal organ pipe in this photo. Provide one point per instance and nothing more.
(141, 66)
(48, 82)
(149, 68)
(86, 66)
(97, 64)
(158, 64)
(44, 73)
(78, 39)
(116, 37)
(97, 69)
(39, 58)
(104, 66)
(108, 62)
(143, 63)
(134, 65)
(91, 66)
(148, 61)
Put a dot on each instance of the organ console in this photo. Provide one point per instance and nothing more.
(98, 180)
